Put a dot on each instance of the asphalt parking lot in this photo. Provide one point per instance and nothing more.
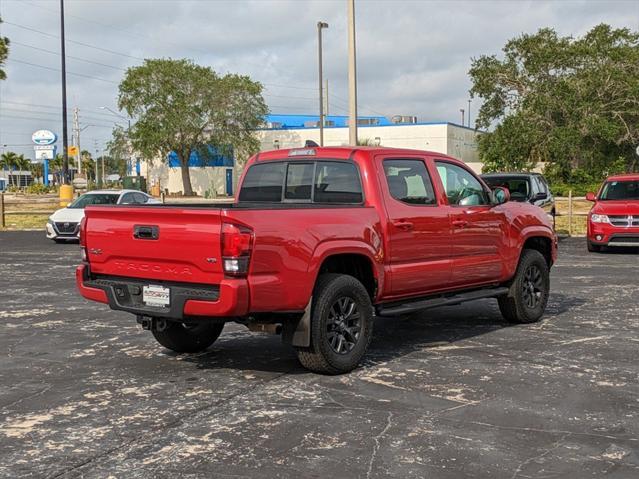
(449, 393)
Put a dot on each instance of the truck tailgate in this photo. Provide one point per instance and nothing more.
(158, 243)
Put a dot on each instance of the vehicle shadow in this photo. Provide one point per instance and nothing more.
(619, 250)
(394, 337)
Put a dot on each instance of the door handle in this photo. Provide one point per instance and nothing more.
(403, 225)
(460, 223)
(146, 232)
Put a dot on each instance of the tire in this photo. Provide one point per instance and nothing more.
(341, 325)
(528, 295)
(182, 338)
(593, 248)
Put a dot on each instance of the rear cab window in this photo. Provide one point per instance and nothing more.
(409, 182)
(299, 181)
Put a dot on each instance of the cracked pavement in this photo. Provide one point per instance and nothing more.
(447, 393)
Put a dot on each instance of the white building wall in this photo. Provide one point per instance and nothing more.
(453, 140)
(449, 139)
(211, 179)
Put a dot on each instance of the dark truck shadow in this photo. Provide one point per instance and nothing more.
(394, 337)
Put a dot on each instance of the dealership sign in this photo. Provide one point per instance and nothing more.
(44, 137)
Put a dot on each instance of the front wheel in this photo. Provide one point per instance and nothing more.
(528, 295)
(341, 325)
(188, 338)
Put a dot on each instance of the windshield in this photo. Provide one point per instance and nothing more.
(519, 187)
(94, 199)
(620, 190)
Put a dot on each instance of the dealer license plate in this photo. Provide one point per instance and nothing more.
(156, 296)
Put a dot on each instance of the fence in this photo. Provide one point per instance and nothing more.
(39, 206)
(571, 212)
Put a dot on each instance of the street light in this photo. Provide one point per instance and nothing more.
(320, 26)
(352, 76)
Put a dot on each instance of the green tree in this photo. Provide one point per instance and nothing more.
(8, 160)
(4, 53)
(182, 107)
(571, 102)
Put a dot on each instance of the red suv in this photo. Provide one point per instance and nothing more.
(614, 219)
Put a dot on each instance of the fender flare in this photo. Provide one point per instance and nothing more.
(537, 231)
(300, 336)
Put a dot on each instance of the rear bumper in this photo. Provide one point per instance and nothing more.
(228, 299)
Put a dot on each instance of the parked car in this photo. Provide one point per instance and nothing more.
(525, 187)
(64, 224)
(318, 242)
(614, 218)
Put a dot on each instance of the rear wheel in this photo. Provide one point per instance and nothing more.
(593, 248)
(528, 296)
(188, 338)
(341, 325)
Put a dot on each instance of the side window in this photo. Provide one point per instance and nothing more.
(127, 199)
(263, 183)
(337, 182)
(462, 188)
(409, 182)
(541, 185)
(139, 198)
(299, 181)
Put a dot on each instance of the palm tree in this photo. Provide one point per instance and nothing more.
(9, 161)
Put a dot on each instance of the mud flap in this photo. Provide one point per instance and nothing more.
(298, 333)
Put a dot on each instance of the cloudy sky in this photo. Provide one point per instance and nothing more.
(413, 55)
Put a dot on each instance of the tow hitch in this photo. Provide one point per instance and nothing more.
(152, 324)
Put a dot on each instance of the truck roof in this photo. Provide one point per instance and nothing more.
(625, 176)
(337, 152)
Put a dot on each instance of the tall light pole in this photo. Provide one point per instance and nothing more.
(469, 113)
(320, 26)
(461, 110)
(65, 138)
(352, 76)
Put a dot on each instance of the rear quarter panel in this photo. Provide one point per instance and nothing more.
(290, 245)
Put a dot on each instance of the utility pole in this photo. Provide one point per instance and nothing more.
(469, 113)
(98, 180)
(461, 110)
(320, 26)
(65, 139)
(326, 113)
(352, 76)
(76, 136)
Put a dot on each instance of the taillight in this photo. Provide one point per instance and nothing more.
(83, 223)
(83, 246)
(237, 242)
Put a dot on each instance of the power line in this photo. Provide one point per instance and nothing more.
(113, 52)
(109, 115)
(58, 70)
(13, 42)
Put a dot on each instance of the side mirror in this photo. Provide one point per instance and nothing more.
(591, 197)
(501, 195)
(540, 196)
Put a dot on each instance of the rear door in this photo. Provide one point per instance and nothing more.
(478, 228)
(418, 229)
(155, 242)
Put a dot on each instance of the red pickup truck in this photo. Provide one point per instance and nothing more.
(319, 241)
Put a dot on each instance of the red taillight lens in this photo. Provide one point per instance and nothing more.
(82, 226)
(237, 242)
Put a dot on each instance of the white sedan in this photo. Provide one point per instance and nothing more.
(64, 224)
